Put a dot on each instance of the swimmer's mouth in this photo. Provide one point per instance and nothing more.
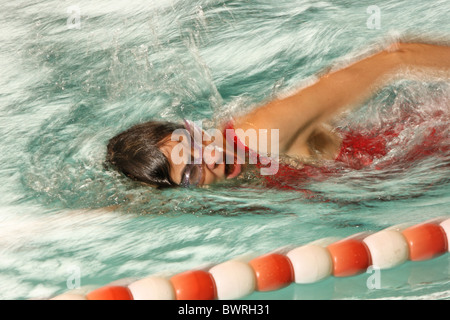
(232, 170)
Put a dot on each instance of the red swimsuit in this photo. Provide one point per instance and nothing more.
(362, 149)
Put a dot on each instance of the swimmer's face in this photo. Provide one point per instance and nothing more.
(212, 170)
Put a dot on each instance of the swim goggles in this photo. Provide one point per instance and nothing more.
(193, 172)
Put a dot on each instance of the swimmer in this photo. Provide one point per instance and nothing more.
(145, 151)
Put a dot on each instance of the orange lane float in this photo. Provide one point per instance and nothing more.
(272, 271)
(110, 293)
(425, 241)
(194, 285)
(349, 256)
(235, 279)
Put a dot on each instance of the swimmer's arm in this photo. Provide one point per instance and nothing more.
(297, 116)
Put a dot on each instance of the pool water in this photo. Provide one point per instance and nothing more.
(73, 76)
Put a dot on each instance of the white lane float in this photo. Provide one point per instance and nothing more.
(235, 279)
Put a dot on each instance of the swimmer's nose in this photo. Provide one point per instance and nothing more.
(212, 156)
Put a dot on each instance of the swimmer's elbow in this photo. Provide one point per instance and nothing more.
(397, 56)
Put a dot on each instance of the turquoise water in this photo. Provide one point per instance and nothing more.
(69, 83)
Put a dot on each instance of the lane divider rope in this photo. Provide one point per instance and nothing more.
(315, 261)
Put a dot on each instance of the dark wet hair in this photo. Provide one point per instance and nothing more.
(136, 153)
